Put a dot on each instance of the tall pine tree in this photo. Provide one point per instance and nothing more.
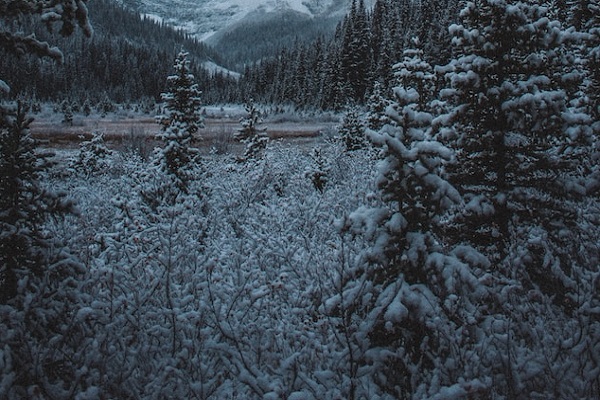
(39, 298)
(412, 295)
(180, 123)
(356, 52)
(508, 122)
(38, 288)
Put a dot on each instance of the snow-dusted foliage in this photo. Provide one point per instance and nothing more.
(454, 256)
(378, 103)
(38, 288)
(250, 285)
(218, 294)
(254, 137)
(93, 155)
(180, 123)
(352, 130)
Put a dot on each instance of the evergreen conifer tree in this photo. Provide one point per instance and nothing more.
(92, 157)
(378, 104)
(409, 309)
(180, 123)
(356, 54)
(39, 299)
(67, 111)
(38, 291)
(86, 108)
(507, 113)
(352, 131)
(24, 204)
(521, 195)
(250, 134)
(318, 173)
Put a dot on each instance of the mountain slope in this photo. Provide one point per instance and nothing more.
(203, 18)
(247, 30)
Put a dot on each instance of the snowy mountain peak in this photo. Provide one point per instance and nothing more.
(203, 18)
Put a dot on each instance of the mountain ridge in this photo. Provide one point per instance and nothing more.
(203, 18)
(225, 24)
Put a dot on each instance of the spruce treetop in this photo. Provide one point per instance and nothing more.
(182, 104)
(181, 121)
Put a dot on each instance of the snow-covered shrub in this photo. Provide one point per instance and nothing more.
(93, 156)
(352, 131)
(250, 134)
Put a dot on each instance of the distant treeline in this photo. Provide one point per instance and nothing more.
(329, 74)
(127, 59)
(130, 56)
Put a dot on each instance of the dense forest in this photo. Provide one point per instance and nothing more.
(443, 244)
(331, 73)
(126, 60)
(128, 57)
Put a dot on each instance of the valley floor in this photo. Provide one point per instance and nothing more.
(122, 128)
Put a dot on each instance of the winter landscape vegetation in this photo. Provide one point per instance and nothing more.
(326, 199)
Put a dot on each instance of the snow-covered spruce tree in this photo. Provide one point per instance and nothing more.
(86, 109)
(38, 296)
(507, 110)
(378, 104)
(67, 111)
(352, 131)
(181, 121)
(520, 187)
(250, 134)
(415, 300)
(38, 289)
(510, 131)
(318, 172)
(93, 156)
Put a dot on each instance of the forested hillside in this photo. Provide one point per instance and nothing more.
(262, 35)
(332, 73)
(128, 57)
(126, 60)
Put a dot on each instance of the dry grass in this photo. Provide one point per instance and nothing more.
(140, 132)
